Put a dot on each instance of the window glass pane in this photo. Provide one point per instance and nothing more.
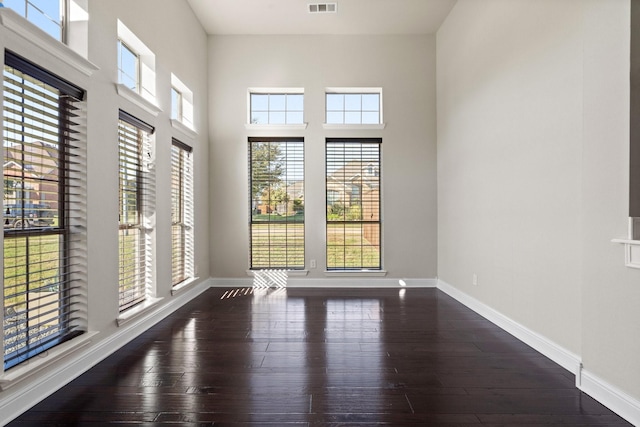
(370, 102)
(277, 118)
(295, 118)
(295, 102)
(260, 117)
(353, 102)
(128, 67)
(370, 117)
(335, 102)
(277, 102)
(259, 102)
(176, 102)
(352, 117)
(335, 117)
(46, 14)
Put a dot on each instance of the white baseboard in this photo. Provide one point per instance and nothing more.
(563, 357)
(611, 397)
(23, 398)
(333, 282)
(607, 394)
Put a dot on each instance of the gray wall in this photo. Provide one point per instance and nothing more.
(404, 66)
(533, 146)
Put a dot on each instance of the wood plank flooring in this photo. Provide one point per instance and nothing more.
(323, 357)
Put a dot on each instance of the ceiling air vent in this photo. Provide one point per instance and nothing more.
(323, 7)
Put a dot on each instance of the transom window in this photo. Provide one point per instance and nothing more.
(276, 108)
(48, 15)
(128, 67)
(44, 149)
(182, 267)
(176, 104)
(354, 107)
(353, 204)
(276, 168)
(136, 202)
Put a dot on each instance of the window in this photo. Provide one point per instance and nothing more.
(128, 67)
(353, 204)
(343, 107)
(276, 177)
(44, 216)
(176, 104)
(181, 102)
(136, 202)
(276, 108)
(136, 64)
(181, 212)
(46, 14)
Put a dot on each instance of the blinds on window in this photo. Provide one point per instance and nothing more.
(136, 203)
(276, 187)
(182, 266)
(44, 148)
(353, 204)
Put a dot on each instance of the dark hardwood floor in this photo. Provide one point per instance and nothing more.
(323, 357)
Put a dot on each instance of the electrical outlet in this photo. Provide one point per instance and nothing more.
(475, 279)
(313, 263)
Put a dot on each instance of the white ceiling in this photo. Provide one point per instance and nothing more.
(292, 16)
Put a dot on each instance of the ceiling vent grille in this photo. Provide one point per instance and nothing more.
(323, 7)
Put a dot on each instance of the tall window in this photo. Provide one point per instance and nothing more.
(136, 203)
(181, 212)
(276, 168)
(354, 108)
(128, 67)
(43, 204)
(276, 108)
(353, 204)
(46, 14)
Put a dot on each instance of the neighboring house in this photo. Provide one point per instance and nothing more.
(31, 174)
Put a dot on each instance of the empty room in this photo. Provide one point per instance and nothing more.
(299, 213)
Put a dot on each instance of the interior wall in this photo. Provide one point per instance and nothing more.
(533, 118)
(404, 66)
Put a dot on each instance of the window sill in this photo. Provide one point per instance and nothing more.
(30, 32)
(137, 99)
(302, 126)
(184, 285)
(327, 126)
(631, 252)
(176, 124)
(137, 311)
(355, 273)
(42, 361)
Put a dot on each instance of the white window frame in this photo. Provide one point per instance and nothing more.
(185, 120)
(354, 90)
(146, 87)
(274, 91)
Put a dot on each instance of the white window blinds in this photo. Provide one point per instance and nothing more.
(136, 203)
(182, 267)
